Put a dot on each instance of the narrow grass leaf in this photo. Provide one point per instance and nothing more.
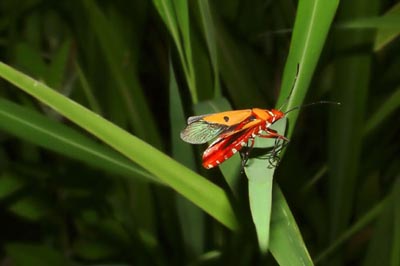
(236, 72)
(30, 208)
(362, 222)
(58, 66)
(9, 184)
(395, 254)
(181, 9)
(384, 246)
(286, 244)
(386, 22)
(166, 11)
(40, 130)
(200, 191)
(351, 88)
(93, 103)
(386, 109)
(209, 33)
(312, 24)
(126, 78)
(30, 60)
(190, 216)
(178, 24)
(385, 36)
(260, 175)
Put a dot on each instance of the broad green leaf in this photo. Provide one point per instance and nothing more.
(200, 191)
(312, 24)
(260, 179)
(286, 243)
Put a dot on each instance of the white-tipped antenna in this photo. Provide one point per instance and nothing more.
(291, 90)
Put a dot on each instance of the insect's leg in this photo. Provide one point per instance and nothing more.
(245, 155)
(273, 134)
(274, 159)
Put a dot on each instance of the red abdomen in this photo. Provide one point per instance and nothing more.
(223, 148)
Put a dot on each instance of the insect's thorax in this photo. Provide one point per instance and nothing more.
(270, 116)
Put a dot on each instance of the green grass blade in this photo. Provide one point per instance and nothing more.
(58, 66)
(38, 129)
(313, 20)
(385, 36)
(194, 187)
(389, 21)
(312, 24)
(209, 33)
(395, 255)
(126, 79)
(177, 23)
(190, 216)
(30, 60)
(181, 9)
(236, 70)
(93, 103)
(286, 243)
(9, 184)
(385, 110)
(260, 180)
(260, 198)
(384, 246)
(350, 87)
(360, 224)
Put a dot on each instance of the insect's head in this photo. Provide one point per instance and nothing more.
(275, 115)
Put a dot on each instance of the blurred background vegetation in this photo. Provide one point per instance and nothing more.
(68, 199)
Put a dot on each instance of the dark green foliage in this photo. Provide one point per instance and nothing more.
(77, 189)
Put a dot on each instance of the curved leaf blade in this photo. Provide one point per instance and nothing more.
(200, 191)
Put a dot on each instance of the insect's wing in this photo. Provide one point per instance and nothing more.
(206, 127)
(199, 131)
(196, 118)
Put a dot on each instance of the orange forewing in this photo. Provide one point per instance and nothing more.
(228, 118)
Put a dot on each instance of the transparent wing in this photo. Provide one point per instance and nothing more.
(199, 132)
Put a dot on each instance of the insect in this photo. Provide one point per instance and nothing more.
(233, 130)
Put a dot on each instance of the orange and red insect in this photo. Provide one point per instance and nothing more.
(233, 130)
